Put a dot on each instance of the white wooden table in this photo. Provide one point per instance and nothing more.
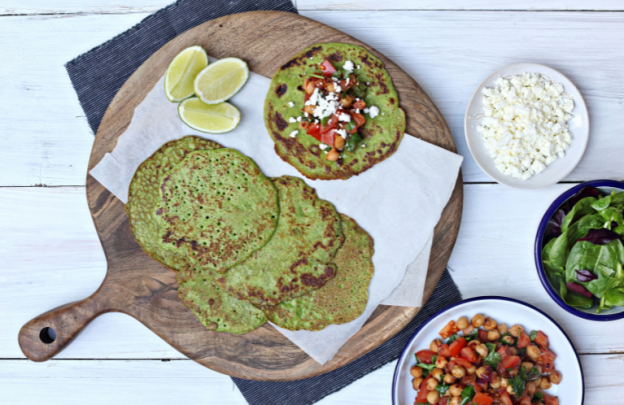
(50, 254)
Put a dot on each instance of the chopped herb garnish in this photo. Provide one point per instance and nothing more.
(324, 121)
(442, 388)
(424, 366)
(533, 335)
(472, 335)
(318, 76)
(350, 126)
(493, 358)
(539, 396)
(467, 394)
(352, 142)
(452, 338)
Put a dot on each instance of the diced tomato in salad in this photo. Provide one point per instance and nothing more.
(450, 329)
(482, 399)
(550, 400)
(541, 339)
(327, 68)
(469, 354)
(425, 356)
(328, 137)
(456, 347)
(523, 340)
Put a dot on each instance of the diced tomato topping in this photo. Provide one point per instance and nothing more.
(359, 105)
(421, 398)
(483, 335)
(482, 399)
(457, 346)
(504, 399)
(450, 328)
(328, 137)
(510, 362)
(359, 121)
(327, 68)
(503, 352)
(314, 130)
(541, 339)
(469, 354)
(330, 124)
(450, 365)
(523, 340)
(444, 351)
(547, 356)
(424, 356)
(525, 400)
(463, 362)
(443, 401)
(549, 400)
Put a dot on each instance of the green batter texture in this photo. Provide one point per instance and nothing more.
(215, 309)
(381, 135)
(296, 259)
(215, 208)
(344, 297)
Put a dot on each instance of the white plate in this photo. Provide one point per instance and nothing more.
(578, 125)
(503, 310)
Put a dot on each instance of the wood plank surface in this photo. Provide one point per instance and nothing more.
(435, 48)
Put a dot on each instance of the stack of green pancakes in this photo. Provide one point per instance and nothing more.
(247, 248)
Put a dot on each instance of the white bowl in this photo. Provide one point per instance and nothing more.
(570, 391)
(578, 125)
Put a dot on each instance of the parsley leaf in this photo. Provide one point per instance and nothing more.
(472, 335)
(539, 396)
(533, 335)
(467, 394)
(428, 367)
(452, 339)
(493, 358)
(519, 381)
(442, 389)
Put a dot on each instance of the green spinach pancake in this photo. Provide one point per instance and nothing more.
(215, 309)
(344, 297)
(215, 208)
(144, 194)
(333, 111)
(296, 259)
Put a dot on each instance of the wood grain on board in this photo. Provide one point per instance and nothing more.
(140, 287)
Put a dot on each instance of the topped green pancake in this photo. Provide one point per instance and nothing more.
(144, 193)
(215, 309)
(215, 208)
(342, 75)
(295, 261)
(344, 297)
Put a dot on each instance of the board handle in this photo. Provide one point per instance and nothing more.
(48, 334)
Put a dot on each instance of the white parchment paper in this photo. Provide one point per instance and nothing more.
(398, 201)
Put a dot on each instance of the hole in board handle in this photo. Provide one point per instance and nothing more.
(47, 335)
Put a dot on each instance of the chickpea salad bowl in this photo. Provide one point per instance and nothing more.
(485, 350)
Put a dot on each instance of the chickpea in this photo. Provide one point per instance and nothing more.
(309, 109)
(416, 382)
(533, 352)
(435, 344)
(468, 330)
(455, 390)
(545, 383)
(437, 373)
(441, 362)
(432, 384)
(481, 349)
(481, 371)
(539, 368)
(339, 142)
(516, 330)
(502, 328)
(449, 379)
(509, 340)
(433, 397)
(462, 323)
(310, 85)
(555, 377)
(513, 351)
(504, 383)
(333, 155)
(510, 390)
(416, 371)
(471, 370)
(330, 87)
(477, 320)
(513, 372)
(455, 401)
(528, 366)
(493, 335)
(347, 100)
(496, 381)
(458, 371)
(474, 343)
(530, 387)
(489, 324)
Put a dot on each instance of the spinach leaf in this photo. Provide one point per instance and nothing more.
(467, 394)
(572, 298)
(602, 203)
(613, 214)
(353, 141)
(602, 260)
(601, 236)
(614, 293)
(553, 228)
(617, 199)
(583, 207)
(582, 193)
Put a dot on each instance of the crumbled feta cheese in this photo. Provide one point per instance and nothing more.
(324, 106)
(525, 124)
(291, 104)
(337, 88)
(323, 146)
(368, 83)
(293, 134)
(298, 119)
(362, 145)
(357, 110)
(373, 111)
(292, 119)
(348, 66)
(344, 117)
(347, 81)
(306, 114)
(342, 133)
(358, 66)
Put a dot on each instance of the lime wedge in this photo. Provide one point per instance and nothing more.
(212, 118)
(182, 71)
(221, 80)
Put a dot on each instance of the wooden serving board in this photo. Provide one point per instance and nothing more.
(144, 289)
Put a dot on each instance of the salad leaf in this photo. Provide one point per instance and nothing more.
(600, 236)
(538, 396)
(613, 214)
(428, 367)
(617, 199)
(602, 203)
(553, 228)
(572, 298)
(452, 338)
(602, 260)
(493, 358)
(442, 389)
(467, 394)
(585, 276)
(350, 126)
(533, 335)
(582, 193)
(579, 289)
(472, 335)
(614, 293)
(519, 381)
(583, 207)
(353, 141)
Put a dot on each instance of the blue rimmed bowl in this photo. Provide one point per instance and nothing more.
(605, 186)
(571, 390)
